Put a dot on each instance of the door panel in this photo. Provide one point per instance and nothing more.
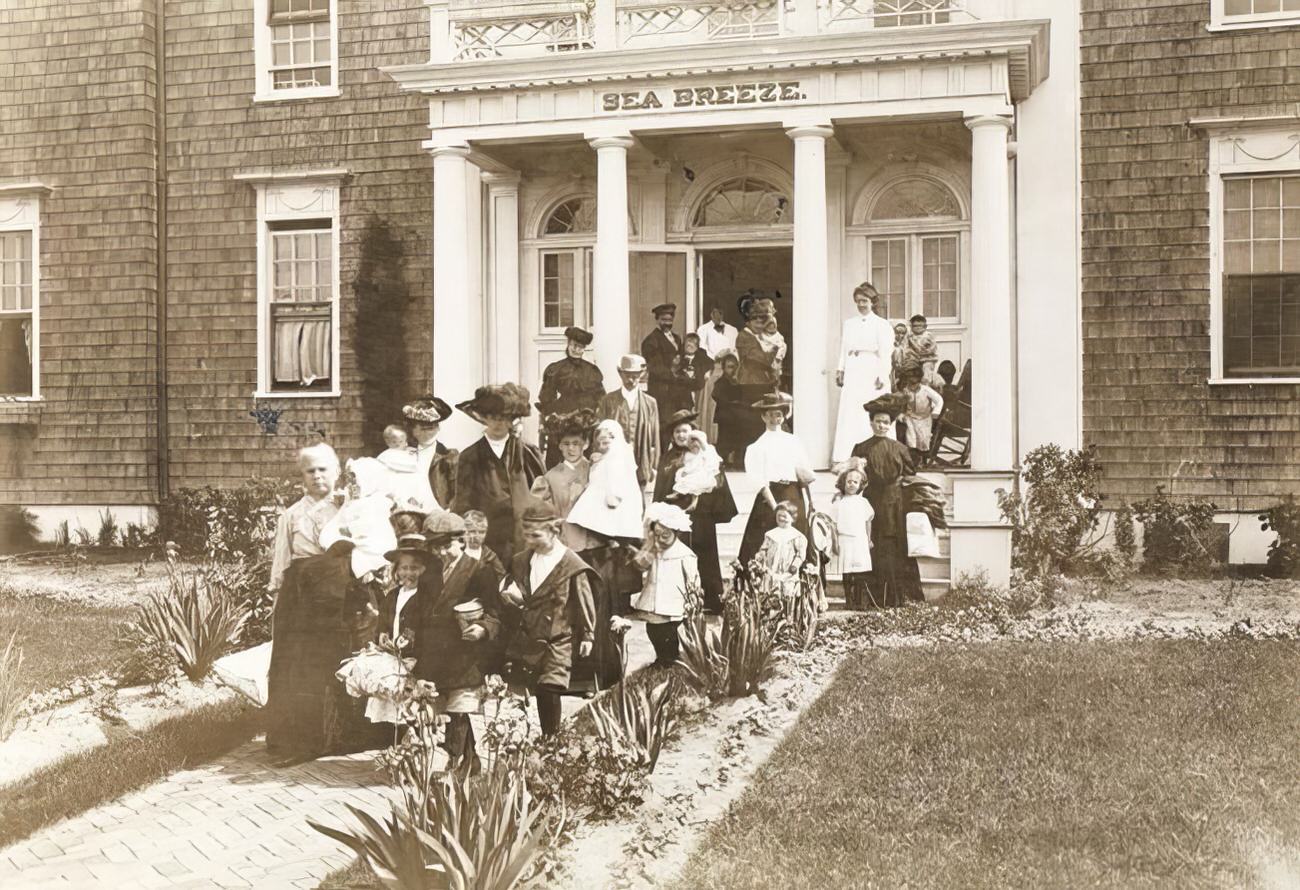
(655, 278)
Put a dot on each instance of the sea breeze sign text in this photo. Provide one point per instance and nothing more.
(703, 97)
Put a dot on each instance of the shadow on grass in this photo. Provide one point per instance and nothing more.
(127, 762)
(1156, 764)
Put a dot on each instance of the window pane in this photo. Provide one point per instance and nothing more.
(1266, 223)
(1265, 191)
(557, 290)
(1265, 257)
(16, 356)
(939, 276)
(1236, 225)
(1236, 193)
(1261, 325)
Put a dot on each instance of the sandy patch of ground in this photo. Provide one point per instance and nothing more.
(95, 579)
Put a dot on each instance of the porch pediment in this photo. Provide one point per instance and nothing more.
(1001, 59)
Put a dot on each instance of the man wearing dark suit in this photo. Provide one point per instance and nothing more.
(660, 349)
(496, 473)
(637, 413)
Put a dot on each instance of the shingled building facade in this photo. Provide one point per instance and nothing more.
(1191, 247)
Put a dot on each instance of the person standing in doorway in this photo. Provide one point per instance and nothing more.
(637, 413)
(866, 351)
(568, 386)
(716, 335)
(691, 370)
(660, 349)
(761, 361)
(496, 473)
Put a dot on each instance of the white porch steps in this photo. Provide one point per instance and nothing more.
(935, 571)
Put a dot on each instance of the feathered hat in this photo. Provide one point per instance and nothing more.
(570, 423)
(501, 400)
(427, 409)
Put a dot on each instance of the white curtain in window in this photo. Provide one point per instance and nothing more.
(302, 351)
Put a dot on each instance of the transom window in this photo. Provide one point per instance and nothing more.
(744, 201)
(1261, 276)
(17, 321)
(301, 305)
(915, 199)
(576, 216)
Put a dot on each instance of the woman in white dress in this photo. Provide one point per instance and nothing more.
(613, 503)
(866, 356)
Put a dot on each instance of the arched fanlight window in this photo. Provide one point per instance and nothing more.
(916, 199)
(576, 216)
(744, 201)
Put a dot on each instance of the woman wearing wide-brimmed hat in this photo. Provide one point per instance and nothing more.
(780, 466)
(495, 475)
(706, 511)
(435, 464)
(895, 577)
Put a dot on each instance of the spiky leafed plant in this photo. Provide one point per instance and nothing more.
(196, 618)
(393, 849)
(639, 719)
(749, 635)
(12, 695)
(703, 657)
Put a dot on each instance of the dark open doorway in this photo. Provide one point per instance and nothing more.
(727, 273)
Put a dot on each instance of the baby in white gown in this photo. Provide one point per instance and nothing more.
(698, 473)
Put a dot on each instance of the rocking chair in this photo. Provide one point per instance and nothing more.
(950, 442)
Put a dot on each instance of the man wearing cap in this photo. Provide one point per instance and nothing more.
(496, 473)
(569, 385)
(433, 461)
(452, 651)
(638, 413)
(659, 349)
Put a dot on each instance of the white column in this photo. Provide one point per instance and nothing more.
(992, 349)
(611, 303)
(503, 309)
(457, 366)
(811, 297)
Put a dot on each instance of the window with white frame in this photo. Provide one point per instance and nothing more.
(298, 284)
(917, 274)
(566, 288)
(296, 49)
(1261, 276)
(19, 298)
(1253, 13)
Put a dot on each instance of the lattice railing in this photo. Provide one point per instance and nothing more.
(889, 13)
(498, 38)
(645, 22)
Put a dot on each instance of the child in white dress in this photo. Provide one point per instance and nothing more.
(784, 551)
(698, 473)
(853, 514)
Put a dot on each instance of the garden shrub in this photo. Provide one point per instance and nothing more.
(1284, 552)
(1176, 534)
(750, 629)
(1125, 533)
(18, 529)
(109, 534)
(149, 661)
(1056, 511)
(197, 618)
(639, 719)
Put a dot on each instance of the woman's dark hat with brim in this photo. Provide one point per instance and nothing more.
(685, 415)
(887, 404)
(504, 400)
(578, 335)
(774, 400)
(571, 423)
(427, 409)
(413, 544)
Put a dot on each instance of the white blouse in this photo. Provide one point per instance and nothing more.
(775, 456)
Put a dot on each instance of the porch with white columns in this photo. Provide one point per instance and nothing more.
(811, 274)
(981, 539)
(457, 309)
(611, 300)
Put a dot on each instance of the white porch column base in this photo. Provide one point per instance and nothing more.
(611, 300)
(457, 366)
(811, 283)
(980, 538)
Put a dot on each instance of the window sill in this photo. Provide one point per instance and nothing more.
(297, 95)
(1289, 21)
(333, 394)
(21, 409)
(1253, 381)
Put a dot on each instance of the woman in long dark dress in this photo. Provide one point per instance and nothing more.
(731, 412)
(709, 509)
(895, 577)
(780, 466)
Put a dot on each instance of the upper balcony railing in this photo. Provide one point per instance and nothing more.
(467, 30)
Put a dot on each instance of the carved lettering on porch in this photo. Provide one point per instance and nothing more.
(718, 95)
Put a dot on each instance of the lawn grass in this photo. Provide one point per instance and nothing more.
(130, 761)
(1158, 764)
(62, 641)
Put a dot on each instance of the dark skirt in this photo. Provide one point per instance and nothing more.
(762, 518)
(605, 666)
(895, 577)
(308, 712)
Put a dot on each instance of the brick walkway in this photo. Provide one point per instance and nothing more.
(234, 822)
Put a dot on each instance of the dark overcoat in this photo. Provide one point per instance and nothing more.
(540, 638)
(499, 487)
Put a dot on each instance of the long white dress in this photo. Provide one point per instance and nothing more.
(866, 355)
(852, 512)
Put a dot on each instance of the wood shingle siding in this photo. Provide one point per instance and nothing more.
(1147, 68)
